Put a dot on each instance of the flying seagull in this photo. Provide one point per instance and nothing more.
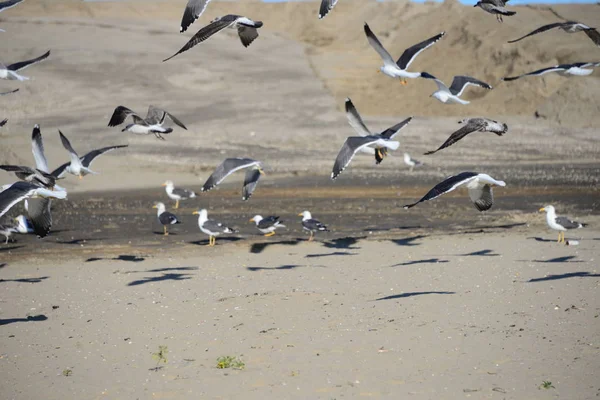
(19, 191)
(560, 224)
(312, 225)
(267, 225)
(193, 11)
(473, 125)
(10, 72)
(9, 92)
(5, 5)
(32, 175)
(211, 227)
(153, 123)
(411, 162)
(229, 166)
(569, 27)
(496, 7)
(577, 69)
(356, 122)
(353, 144)
(478, 185)
(164, 217)
(246, 28)
(459, 84)
(177, 194)
(397, 69)
(326, 6)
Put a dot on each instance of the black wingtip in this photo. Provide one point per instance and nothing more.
(427, 75)
(429, 153)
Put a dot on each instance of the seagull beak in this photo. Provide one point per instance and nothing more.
(542, 209)
(164, 184)
(261, 171)
(195, 213)
(154, 206)
(300, 215)
(251, 220)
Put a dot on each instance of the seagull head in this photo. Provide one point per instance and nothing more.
(168, 184)
(477, 4)
(256, 218)
(202, 215)
(305, 215)
(548, 209)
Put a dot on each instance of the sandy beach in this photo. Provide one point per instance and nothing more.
(436, 302)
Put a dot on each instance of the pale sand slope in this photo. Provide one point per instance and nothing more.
(427, 317)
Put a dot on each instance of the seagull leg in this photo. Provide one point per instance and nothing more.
(166, 233)
(270, 234)
(403, 81)
(558, 241)
(176, 204)
(310, 239)
(214, 240)
(80, 177)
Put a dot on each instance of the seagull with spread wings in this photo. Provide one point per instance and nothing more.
(231, 165)
(471, 125)
(575, 69)
(452, 94)
(10, 72)
(496, 7)
(569, 27)
(152, 124)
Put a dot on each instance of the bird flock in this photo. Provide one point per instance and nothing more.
(37, 186)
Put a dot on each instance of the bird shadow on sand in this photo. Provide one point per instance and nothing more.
(484, 229)
(580, 274)
(78, 241)
(163, 277)
(481, 253)
(171, 269)
(34, 318)
(539, 239)
(335, 253)
(26, 280)
(410, 294)
(425, 261)
(161, 233)
(10, 248)
(282, 267)
(343, 243)
(2, 265)
(257, 248)
(122, 257)
(409, 240)
(402, 228)
(564, 259)
(219, 240)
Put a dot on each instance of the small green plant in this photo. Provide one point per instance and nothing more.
(67, 372)
(546, 385)
(230, 362)
(160, 356)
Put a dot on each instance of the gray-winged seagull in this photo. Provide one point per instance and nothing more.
(560, 224)
(10, 72)
(575, 69)
(452, 94)
(473, 125)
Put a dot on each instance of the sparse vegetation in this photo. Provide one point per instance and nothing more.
(160, 356)
(546, 385)
(67, 372)
(230, 362)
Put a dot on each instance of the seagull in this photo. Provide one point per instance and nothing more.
(495, 7)
(32, 175)
(356, 122)
(165, 217)
(478, 185)
(473, 125)
(9, 92)
(23, 225)
(193, 11)
(229, 166)
(153, 123)
(19, 191)
(247, 30)
(397, 69)
(267, 225)
(10, 72)
(211, 227)
(312, 225)
(5, 5)
(326, 6)
(7, 231)
(411, 162)
(177, 194)
(560, 224)
(353, 144)
(452, 95)
(569, 27)
(577, 69)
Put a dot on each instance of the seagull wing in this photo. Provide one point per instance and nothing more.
(183, 193)
(541, 29)
(89, 158)
(594, 35)
(539, 72)
(119, 115)
(60, 171)
(482, 197)
(250, 182)
(567, 223)
(350, 147)
(226, 168)
(214, 27)
(314, 225)
(3, 122)
(326, 6)
(67, 145)
(473, 125)
(355, 120)
(10, 92)
(21, 190)
(376, 44)
(460, 82)
(446, 186)
(247, 34)
(4, 5)
(40, 216)
(193, 11)
(412, 52)
(156, 116)
(37, 147)
(390, 132)
(268, 222)
(441, 85)
(24, 64)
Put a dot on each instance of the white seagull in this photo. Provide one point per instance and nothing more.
(459, 84)
(569, 27)
(478, 185)
(177, 194)
(411, 162)
(326, 6)
(576, 69)
(312, 225)
(267, 225)
(247, 31)
(228, 167)
(397, 69)
(193, 11)
(10, 72)
(473, 125)
(211, 227)
(152, 124)
(560, 224)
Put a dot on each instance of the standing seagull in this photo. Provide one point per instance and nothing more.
(495, 7)
(228, 167)
(10, 72)
(577, 69)
(165, 217)
(193, 11)
(459, 84)
(211, 227)
(153, 123)
(397, 69)
(357, 123)
(326, 6)
(560, 224)
(246, 28)
(478, 185)
(569, 27)
(411, 162)
(267, 225)
(312, 225)
(177, 194)
(473, 125)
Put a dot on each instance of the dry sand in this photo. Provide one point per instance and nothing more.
(439, 302)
